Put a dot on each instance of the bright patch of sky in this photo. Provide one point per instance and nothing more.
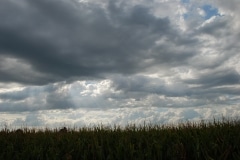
(205, 11)
(209, 11)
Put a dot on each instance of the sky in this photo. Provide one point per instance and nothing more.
(88, 62)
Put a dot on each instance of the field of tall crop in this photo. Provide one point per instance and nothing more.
(218, 140)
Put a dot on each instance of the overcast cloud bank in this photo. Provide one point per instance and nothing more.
(127, 56)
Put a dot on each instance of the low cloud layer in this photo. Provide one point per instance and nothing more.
(119, 116)
(75, 55)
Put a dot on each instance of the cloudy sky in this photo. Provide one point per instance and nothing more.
(81, 62)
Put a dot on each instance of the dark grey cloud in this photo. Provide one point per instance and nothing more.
(212, 87)
(34, 98)
(15, 96)
(144, 86)
(216, 28)
(216, 78)
(62, 40)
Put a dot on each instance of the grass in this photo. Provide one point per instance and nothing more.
(218, 140)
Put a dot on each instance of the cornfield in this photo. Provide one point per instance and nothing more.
(216, 140)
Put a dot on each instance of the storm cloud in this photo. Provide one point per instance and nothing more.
(63, 40)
